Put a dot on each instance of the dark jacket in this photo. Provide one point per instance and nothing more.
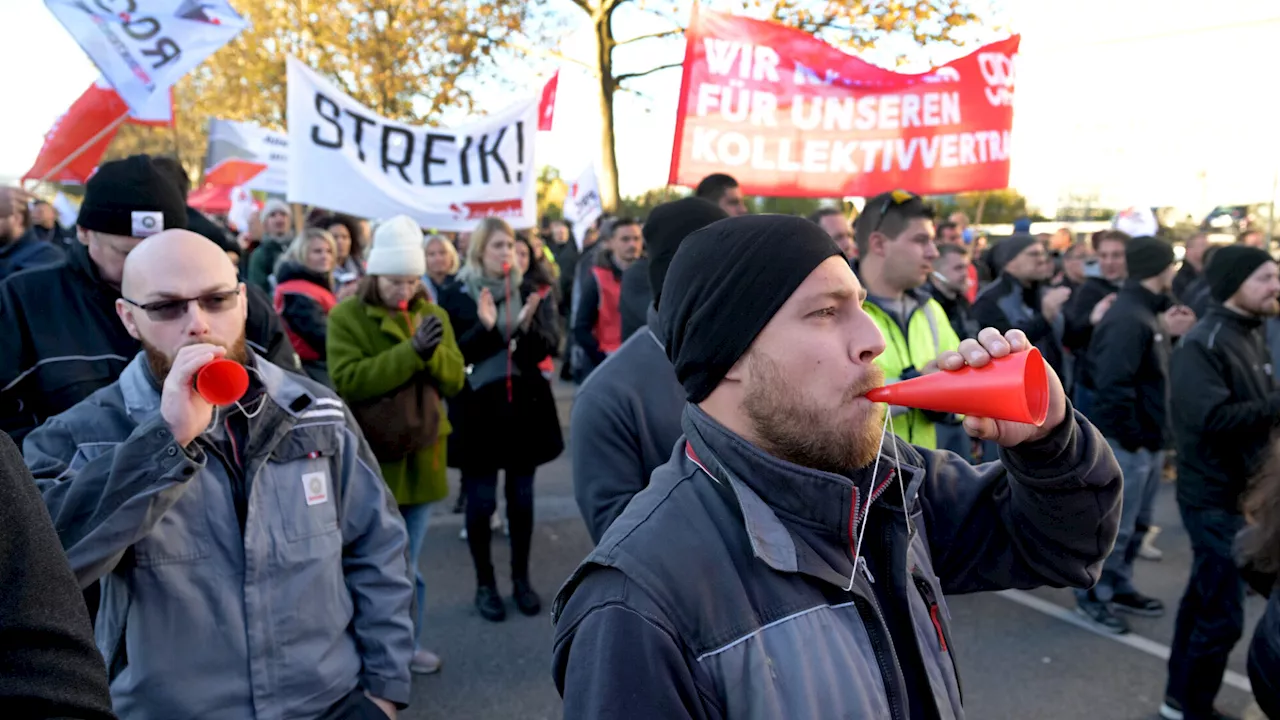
(1129, 363)
(1186, 275)
(1077, 330)
(1198, 296)
(959, 312)
(1225, 407)
(636, 297)
(720, 592)
(306, 318)
(27, 252)
(263, 260)
(200, 224)
(567, 258)
(49, 666)
(586, 310)
(494, 429)
(1264, 658)
(1006, 304)
(625, 420)
(63, 340)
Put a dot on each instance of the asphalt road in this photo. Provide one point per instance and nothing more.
(1020, 655)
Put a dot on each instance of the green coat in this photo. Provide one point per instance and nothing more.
(369, 356)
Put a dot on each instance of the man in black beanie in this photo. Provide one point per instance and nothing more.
(738, 584)
(1225, 407)
(626, 416)
(64, 340)
(1128, 361)
(1021, 298)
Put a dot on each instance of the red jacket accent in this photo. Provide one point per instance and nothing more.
(321, 296)
(608, 330)
(973, 284)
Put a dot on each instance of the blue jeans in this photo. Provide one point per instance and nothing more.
(416, 519)
(1141, 469)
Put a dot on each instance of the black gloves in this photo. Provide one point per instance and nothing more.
(428, 336)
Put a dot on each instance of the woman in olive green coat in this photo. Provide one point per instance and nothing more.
(389, 336)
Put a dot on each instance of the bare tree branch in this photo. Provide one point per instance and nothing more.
(651, 36)
(632, 76)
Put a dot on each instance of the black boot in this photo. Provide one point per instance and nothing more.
(489, 603)
(525, 598)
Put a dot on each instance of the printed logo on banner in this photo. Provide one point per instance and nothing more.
(997, 70)
(478, 211)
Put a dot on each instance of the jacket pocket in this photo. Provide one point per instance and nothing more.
(182, 534)
(302, 471)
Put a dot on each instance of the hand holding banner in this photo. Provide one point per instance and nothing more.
(788, 115)
(344, 157)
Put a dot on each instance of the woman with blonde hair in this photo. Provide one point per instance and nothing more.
(304, 296)
(505, 415)
(442, 264)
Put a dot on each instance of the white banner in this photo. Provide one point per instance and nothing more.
(233, 140)
(582, 206)
(344, 157)
(143, 47)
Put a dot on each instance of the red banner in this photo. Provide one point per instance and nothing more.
(788, 115)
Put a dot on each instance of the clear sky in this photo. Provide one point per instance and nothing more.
(1135, 101)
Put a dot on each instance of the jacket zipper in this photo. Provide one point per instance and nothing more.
(881, 643)
(926, 592)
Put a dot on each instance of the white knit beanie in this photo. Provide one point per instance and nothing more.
(397, 248)
(273, 205)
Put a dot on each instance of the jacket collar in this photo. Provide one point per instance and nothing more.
(786, 507)
(1245, 323)
(655, 329)
(393, 323)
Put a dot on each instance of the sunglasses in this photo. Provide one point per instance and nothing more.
(893, 199)
(170, 310)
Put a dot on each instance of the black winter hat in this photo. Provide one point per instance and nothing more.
(724, 285)
(1008, 249)
(130, 197)
(1147, 257)
(1230, 267)
(667, 226)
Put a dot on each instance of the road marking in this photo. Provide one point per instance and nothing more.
(1137, 642)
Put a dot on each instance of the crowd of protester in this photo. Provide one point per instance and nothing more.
(382, 354)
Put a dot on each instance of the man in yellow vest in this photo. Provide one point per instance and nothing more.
(894, 235)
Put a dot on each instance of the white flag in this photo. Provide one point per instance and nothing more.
(234, 140)
(242, 209)
(68, 212)
(144, 49)
(344, 157)
(582, 207)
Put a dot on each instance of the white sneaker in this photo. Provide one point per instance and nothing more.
(1147, 550)
(425, 662)
(462, 535)
(495, 521)
(1169, 712)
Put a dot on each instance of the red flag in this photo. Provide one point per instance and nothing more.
(77, 140)
(788, 115)
(233, 172)
(547, 105)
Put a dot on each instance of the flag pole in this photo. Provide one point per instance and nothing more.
(88, 144)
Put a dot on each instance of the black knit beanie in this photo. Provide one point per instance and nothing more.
(1008, 249)
(724, 285)
(1147, 257)
(1230, 266)
(667, 226)
(130, 197)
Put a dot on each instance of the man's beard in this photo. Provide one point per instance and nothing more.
(161, 365)
(789, 428)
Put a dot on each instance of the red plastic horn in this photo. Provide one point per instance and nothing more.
(1014, 388)
(222, 382)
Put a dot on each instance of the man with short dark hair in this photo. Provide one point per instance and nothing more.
(20, 249)
(597, 319)
(722, 190)
(792, 559)
(1087, 307)
(838, 227)
(1021, 299)
(949, 234)
(626, 416)
(895, 257)
(1074, 270)
(949, 283)
(45, 226)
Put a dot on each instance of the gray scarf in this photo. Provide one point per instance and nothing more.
(474, 281)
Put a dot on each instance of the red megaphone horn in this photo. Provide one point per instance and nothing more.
(222, 382)
(1014, 388)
